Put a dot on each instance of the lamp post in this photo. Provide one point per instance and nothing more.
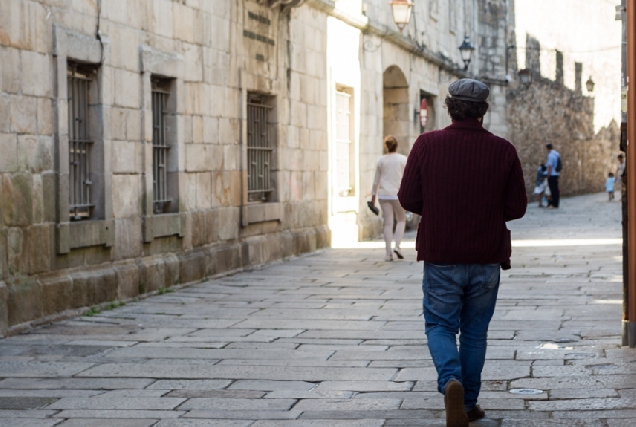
(466, 49)
(526, 77)
(589, 84)
(401, 12)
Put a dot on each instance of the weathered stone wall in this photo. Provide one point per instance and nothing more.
(216, 53)
(548, 112)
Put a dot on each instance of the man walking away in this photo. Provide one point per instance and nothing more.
(619, 173)
(466, 183)
(554, 171)
(621, 166)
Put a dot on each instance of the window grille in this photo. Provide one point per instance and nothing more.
(344, 144)
(160, 146)
(81, 201)
(259, 150)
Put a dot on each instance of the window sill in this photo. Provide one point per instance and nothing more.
(162, 225)
(343, 204)
(262, 212)
(76, 235)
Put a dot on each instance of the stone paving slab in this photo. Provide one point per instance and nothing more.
(336, 339)
(320, 423)
(75, 383)
(203, 423)
(117, 414)
(35, 369)
(28, 422)
(244, 414)
(216, 394)
(97, 422)
(130, 403)
(263, 372)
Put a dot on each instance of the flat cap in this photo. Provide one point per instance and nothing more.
(469, 90)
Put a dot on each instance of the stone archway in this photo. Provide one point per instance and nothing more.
(397, 120)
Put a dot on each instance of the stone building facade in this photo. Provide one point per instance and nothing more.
(154, 142)
(148, 143)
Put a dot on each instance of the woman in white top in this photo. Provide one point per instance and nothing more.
(388, 176)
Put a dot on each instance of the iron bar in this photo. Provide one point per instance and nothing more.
(259, 151)
(161, 149)
(80, 182)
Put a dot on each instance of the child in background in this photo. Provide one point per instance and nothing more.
(541, 183)
(609, 186)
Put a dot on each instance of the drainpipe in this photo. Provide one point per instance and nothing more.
(631, 161)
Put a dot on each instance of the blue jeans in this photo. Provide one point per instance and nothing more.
(459, 297)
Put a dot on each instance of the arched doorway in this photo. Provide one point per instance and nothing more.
(397, 120)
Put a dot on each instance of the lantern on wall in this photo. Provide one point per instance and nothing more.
(589, 84)
(526, 77)
(466, 50)
(401, 12)
(423, 113)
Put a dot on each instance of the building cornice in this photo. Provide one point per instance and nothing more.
(287, 4)
(368, 26)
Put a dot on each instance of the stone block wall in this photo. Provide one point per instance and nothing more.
(214, 54)
(548, 112)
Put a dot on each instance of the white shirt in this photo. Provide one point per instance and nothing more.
(388, 176)
(621, 169)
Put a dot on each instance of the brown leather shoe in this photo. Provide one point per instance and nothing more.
(454, 402)
(476, 413)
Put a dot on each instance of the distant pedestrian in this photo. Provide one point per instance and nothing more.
(388, 176)
(620, 170)
(466, 183)
(541, 183)
(554, 166)
(609, 185)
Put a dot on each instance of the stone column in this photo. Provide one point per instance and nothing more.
(533, 54)
(578, 77)
(559, 67)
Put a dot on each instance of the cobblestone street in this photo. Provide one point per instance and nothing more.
(336, 339)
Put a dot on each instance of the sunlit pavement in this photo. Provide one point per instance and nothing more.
(336, 339)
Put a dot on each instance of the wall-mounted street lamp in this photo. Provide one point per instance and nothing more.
(526, 77)
(525, 74)
(401, 12)
(589, 84)
(466, 49)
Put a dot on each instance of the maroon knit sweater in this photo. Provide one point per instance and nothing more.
(466, 183)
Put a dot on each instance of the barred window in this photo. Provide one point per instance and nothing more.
(160, 145)
(260, 149)
(81, 198)
(345, 155)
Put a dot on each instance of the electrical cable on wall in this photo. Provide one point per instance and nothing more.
(97, 29)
